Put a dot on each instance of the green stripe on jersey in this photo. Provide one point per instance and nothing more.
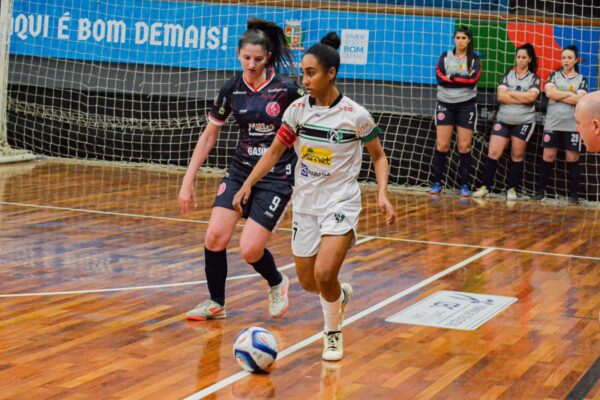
(374, 133)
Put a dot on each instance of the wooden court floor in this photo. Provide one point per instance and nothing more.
(98, 268)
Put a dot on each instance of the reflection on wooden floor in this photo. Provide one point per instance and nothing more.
(98, 269)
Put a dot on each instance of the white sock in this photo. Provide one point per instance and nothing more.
(332, 313)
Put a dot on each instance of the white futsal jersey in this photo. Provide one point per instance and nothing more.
(328, 142)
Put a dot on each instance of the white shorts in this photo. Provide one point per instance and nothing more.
(307, 229)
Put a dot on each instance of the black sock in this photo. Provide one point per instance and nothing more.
(267, 268)
(439, 165)
(489, 172)
(464, 167)
(216, 273)
(544, 176)
(516, 174)
(573, 168)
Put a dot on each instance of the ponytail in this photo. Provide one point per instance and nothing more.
(272, 38)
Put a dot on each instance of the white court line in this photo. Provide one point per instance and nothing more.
(472, 246)
(295, 347)
(166, 285)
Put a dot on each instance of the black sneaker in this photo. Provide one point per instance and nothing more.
(538, 196)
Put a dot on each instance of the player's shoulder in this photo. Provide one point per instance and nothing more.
(347, 104)
(232, 84)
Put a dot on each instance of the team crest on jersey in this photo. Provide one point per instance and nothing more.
(441, 116)
(497, 127)
(273, 109)
(546, 137)
(335, 136)
(339, 217)
(222, 188)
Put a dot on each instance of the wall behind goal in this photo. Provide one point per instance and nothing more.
(131, 80)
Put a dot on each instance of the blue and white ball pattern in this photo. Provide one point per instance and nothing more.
(255, 349)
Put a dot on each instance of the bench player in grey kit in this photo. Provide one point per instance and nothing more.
(515, 121)
(564, 89)
(457, 73)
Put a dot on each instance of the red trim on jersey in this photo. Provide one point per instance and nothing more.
(469, 81)
(441, 75)
(215, 120)
(286, 136)
(270, 76)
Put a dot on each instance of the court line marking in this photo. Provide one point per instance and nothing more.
(162, 286)
(297, 346)
(473, 246)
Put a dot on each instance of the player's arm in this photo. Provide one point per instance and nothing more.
(381, 167)
(504, 96)
(527, 97)
(556, 94)
(574, 98)
(187, 197)
(262, 168)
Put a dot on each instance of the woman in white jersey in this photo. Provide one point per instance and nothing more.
(515, 121)
(457, 73)
(327, 131)
(564, 89)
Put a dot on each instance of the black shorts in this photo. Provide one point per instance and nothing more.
(265, 206)
(522, 131)
(460, 114)
(565, 140)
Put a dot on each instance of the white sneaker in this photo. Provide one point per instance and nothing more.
(511, 195)
(347, 290)
(333, 346)
(278, 298)
(207, 310)
(481, 192)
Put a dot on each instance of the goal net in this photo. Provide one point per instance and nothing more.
(132, 80)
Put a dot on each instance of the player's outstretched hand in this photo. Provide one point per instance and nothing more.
(386, 208)
(187, 198)
(241, 198)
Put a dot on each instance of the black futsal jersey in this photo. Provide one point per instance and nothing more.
(258, 112)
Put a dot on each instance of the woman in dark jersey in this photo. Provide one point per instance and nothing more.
(257, 98)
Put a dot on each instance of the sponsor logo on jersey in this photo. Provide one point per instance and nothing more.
(273, 109)
(316, 155)
(244, 111)
(269, 214)
(276, 90)
(260, 129)
(222, 110)
(345, 108)
(301, 92)
(305, 171)
(497, 127)
(222, 188)
(366, 127)
(298, 105)
(257, 151)
(239, 92)
(339, 217)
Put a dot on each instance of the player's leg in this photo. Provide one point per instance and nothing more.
(464, 140)
(498, 142)
(218, 234)
(266, 209)
(444, 125)
(306, 239)
(333, 295)
(550, 145)
(572, 146)
(466, 120)
(517, 158)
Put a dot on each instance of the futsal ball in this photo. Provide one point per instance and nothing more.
(255, 349)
